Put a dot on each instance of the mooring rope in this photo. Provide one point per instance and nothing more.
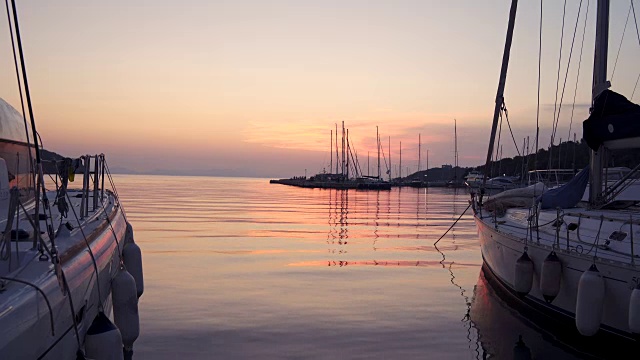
(452, 225)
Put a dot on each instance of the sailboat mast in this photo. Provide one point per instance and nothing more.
(343, 148)
(501, 84)
(419, 151)
(331, 153)
(400, 168)
(378, 142)
(600, 84)
(348, 152)
(337, 157)
(389, 158)
(455, 150)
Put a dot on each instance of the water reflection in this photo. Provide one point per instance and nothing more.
(504, 334)
(338, 234)
(472, 338)
(239, 268)
(355, 217)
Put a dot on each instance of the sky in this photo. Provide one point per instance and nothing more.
(254, 88)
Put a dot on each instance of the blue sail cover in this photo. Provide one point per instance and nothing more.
(567, 195)
(613, 117)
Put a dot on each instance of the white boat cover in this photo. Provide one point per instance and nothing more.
(521, 197)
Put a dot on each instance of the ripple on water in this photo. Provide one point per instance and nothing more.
(240, 268)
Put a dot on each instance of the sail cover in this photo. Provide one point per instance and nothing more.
(613, 118)
(567, 195)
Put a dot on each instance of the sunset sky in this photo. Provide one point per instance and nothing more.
(253, 88)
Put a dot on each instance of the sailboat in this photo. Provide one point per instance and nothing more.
(69, 266)
(575, 262)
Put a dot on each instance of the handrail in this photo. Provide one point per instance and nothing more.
(612, 189)
(575, 243)
(90, 187)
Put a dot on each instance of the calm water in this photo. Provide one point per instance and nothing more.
(240, 268)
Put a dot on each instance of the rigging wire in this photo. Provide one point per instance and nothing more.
(566, 75)
(555, 104)
(15, 62)
(385, 160)
(39, 185)
(575, 91)
(24, 78)
(506, 115)
(635, 20)
(539, 72)
(93, 258)
(621, 39)
(493, 165)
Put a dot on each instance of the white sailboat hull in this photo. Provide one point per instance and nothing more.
(25, 319)
(500, 251)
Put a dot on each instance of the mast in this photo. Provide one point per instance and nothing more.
(600, 84)
(419, 151)
(378, 142)
(348, 152)
(400, 168)
(343, 148)
(455, 151)
(389, 158)
(337, 157)
(501, 84)
(331, 153)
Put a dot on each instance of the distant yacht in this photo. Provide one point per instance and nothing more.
(474, 178)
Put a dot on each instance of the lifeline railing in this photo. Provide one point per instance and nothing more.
(94, 170)
(576, 243)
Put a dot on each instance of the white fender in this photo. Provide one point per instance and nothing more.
(551, 276)
(102, 340)
(634, 310)
(589, 302)
(524, 274)
(125, 307)
(132, 258)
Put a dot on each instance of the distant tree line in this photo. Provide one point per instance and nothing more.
(566, 155)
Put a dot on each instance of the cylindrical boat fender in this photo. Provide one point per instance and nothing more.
(103, 340)
(589, 301)
(524, 274)
(132, 258)
(128, 235)
(550, 277)
(125, 307)
(634, 311)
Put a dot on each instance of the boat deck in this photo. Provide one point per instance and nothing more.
(608, 234)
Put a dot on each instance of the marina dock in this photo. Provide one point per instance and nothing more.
(358, 184)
